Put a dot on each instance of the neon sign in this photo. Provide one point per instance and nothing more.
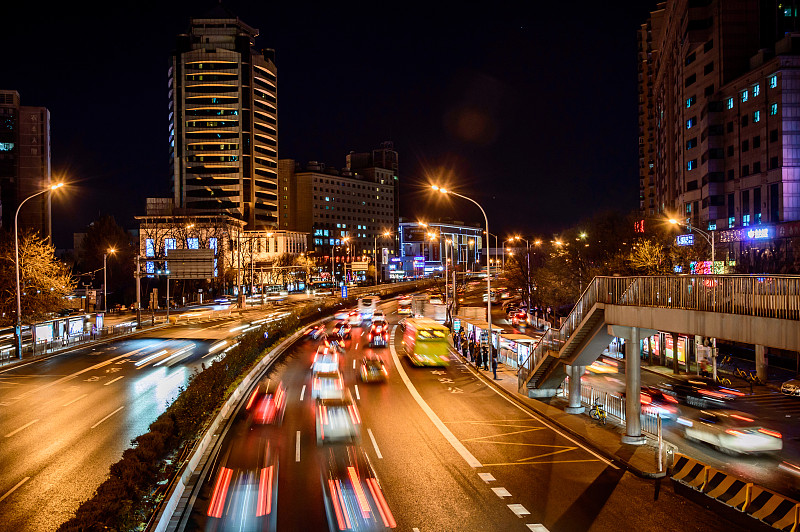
(759, 233)
(685, 240)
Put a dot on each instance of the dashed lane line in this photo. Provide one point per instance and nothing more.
(374, 444)
(486, 477)
(303, 392)
(297, 447)
(112, 381)
(76, 399)
(108, 416)
(501, 492)
(12, 490)
(23, 427)
(518, 509)
(538, 528)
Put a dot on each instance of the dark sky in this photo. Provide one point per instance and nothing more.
(529, 107)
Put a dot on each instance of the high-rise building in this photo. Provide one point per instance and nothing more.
(223, 113)
(718, 81)
(24, 163)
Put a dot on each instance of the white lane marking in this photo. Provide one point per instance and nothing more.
(76, 400)
(518, 509)
(551, 427)
(501, 492)
(9, 492)
(374, 443)
(486, 477)
(108, 416)
(457, 445)
(358, 395)
(297, 448)
(23, 427)
(538, 528)
(354, 364)
(303, 392)
(114, 380)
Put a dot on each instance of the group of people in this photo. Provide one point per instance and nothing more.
(475, 352)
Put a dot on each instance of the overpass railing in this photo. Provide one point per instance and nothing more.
(768, 296)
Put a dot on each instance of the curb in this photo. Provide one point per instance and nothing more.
(610, 456)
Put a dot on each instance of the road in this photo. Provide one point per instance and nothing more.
(449, 452)
(66, 418)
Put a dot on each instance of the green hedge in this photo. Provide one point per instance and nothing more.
(127, 499)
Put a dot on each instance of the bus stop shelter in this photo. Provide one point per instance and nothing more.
(515, 348)
(473, 328)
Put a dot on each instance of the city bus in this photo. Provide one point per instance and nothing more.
(425, 342)
(367, 306)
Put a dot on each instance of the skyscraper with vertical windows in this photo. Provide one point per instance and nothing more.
(717, 84)
(24, 163)
(223, 131)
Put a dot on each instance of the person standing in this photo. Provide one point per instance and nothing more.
(494, 363)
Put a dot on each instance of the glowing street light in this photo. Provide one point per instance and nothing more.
(110, 251)
(709, 239)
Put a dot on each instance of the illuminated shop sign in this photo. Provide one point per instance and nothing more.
(685, 240)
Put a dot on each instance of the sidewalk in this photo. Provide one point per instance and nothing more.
(606, 439)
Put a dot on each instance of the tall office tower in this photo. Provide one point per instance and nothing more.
(725, 77)
(24, 164)
(647, 114)
(223, 113)
(381, 166)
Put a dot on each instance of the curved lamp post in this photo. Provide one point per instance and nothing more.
(709, 239)
(488, 277)
(16, 263)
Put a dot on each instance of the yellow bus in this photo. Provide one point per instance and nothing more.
(426, 342)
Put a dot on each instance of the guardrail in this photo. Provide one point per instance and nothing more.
(614, 405)
(768, 296)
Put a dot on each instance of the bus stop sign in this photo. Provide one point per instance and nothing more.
(344, 291)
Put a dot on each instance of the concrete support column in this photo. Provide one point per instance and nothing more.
(575, 374)
(761, 362)
(624, 347)
(676, 369)
(633, 389)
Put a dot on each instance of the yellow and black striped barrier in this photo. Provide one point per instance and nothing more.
(772, 509)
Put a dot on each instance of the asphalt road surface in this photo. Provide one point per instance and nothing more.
(448, 451)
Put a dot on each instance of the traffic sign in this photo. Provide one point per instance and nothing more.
(344, 291)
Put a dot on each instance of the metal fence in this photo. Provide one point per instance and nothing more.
(769, 296)
(614, 405)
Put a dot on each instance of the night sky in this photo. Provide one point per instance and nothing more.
(529, 108)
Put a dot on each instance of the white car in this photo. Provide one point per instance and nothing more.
(791, 387)
(730, 431)
(338, 420)
(354, 318)
(327, 385)
(325, 360)
(378, 315)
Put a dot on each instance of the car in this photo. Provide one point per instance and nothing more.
(353, 496)
(378, 335)
(267, 407)
(354, 318)
(338, 420)
(327, 385)
(316, 332)
(343, 329)
(791, 387)
(325, 359)
(402, 324)
(519, 316)
(700, 392)
(373, 369)
(656, 403)
(730, 431)
(378, 315)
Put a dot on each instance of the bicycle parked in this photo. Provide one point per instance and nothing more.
(723, 381)
(598, 412)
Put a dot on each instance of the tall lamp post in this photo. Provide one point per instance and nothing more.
(495, 245)
(375, 253)
(488, 277)
(16, 262)
(709, 236)
(110, 251)
(333, 258)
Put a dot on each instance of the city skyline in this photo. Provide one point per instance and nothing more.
(489, 99)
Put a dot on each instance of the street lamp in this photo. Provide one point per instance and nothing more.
(105, 279)
(16, 263)
(375, 253)
(704, 234)
(495, 243)
(333, 258)
(488, 277)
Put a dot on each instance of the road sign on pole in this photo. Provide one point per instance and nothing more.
(344, 291)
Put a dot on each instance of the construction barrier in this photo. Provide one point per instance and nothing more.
(772, 509)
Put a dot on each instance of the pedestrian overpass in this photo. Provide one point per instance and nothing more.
(763, 310)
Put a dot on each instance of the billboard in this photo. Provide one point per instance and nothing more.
(190, 263)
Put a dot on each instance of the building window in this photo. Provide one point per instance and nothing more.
(745, 220)
(691, 165)
(212, 243)
(745, 145)
(712, 226)
(731, 221)
(193, 243)
(730, 175)
(149, 248)
(690, 101)
(691, 122)
(691, 143)
(756, 90)
(708, 68)
(729, 103)
(730, 151)
(169, 243)
(773, 108)
(745, 170)
(744, 121)
(773, 162)
(773, 81)
(757, 167)
(757, 116)
(757, 141)
(150, 267)
(745, 95)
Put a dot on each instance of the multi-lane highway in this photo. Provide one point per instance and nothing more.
(66, 418)
(438, 449)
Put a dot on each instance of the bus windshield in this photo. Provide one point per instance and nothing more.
(430, 334)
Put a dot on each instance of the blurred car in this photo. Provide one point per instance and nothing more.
(378, 315)
(373, 369)
(354, 499)
(378, 334)
(338, 420)
(791, 387)
(316, 332)
(519, 316)
(700, 392)
(730, 431)
(325, 359)
(333, 340)
(327, 385)
(354, 318)
(343, 329)
(656, 402)
(267, 407)
(402, 324)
